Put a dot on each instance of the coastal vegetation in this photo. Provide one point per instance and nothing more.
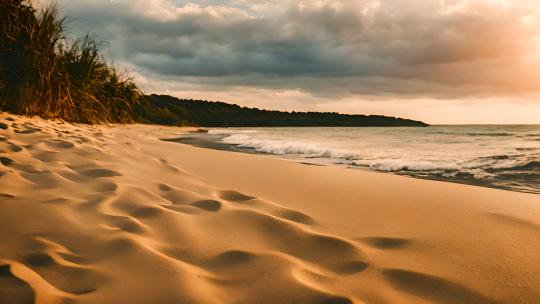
(45, 72)
(165, 109)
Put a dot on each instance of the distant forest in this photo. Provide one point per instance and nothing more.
(168, 110)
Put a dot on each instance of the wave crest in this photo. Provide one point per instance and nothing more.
(515, 167)
(282, 147)
(230, 132)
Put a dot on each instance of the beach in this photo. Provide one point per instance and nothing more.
(114, 214)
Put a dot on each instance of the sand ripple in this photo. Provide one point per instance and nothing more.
(79, 225)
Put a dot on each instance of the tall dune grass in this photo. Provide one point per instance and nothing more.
(43, 72)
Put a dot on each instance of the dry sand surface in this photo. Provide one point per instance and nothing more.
(114, 215)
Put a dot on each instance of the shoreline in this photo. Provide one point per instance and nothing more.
(207, 141)
(94, 214)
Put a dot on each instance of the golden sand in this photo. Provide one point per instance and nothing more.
(115, 215)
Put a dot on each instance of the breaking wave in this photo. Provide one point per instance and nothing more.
(282, 147)
(487, 134)
(523, 163)
(228, 132)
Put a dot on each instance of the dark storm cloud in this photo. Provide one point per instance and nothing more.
(442, 49)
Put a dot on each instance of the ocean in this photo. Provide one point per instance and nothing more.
(498, 156)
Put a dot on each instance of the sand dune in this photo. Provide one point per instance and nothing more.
(115, 215)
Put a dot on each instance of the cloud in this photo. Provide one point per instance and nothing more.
(447, 49)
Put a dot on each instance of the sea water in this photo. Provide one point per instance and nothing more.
(500, 156)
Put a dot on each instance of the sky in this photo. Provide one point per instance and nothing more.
(439, 61)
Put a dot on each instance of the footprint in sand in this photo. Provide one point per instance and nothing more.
(57, 201)
(14, 290)
(384, 242)
(6, 161)
(234, 196)
(233, 258)
(27, 131)
(295, 216)
(15, 148)
(164, 187)
(432, 288)
(208, 205)
(146, 212)
(99, 172)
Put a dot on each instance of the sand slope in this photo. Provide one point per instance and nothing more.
(114, 215)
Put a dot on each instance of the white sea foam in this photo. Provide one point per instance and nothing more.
(508, 154)
(228, 132)
(282, 147)
(394, 165)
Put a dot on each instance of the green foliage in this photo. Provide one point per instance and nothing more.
(148, 112)
(43, 73)
(219, 114)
